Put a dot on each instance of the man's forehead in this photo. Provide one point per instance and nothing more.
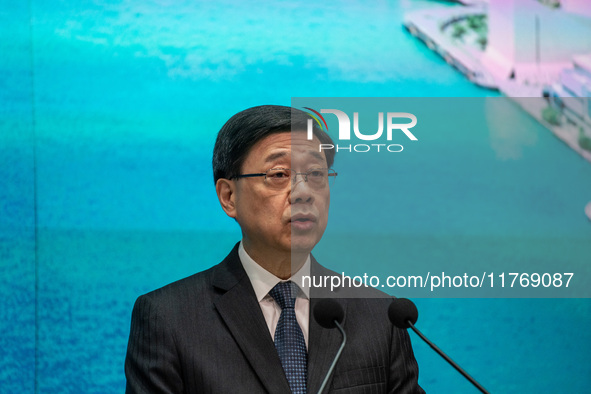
(288, 137)
(279, 145)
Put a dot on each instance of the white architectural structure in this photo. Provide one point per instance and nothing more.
(572, 93)
(532, 43)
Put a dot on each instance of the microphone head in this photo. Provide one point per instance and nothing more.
(401, 311)
(326, 311)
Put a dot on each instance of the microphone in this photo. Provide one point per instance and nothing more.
(403, 313)
(330, 314)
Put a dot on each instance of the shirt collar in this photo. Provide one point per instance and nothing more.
(263, 281)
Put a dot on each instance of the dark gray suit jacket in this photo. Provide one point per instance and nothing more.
(207, 334)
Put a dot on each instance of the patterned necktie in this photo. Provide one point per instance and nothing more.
(289, 339)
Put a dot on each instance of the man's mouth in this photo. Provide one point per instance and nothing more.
(302, 222)
(303, 217)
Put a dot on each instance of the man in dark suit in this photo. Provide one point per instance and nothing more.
(244, 325)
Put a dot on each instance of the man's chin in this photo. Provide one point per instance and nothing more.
(302, 246)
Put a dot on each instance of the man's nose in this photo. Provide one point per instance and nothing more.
(297, 178)
(301, 192)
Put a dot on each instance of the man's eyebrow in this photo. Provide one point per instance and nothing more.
(317, 155)
(275, 156)
(282, 154)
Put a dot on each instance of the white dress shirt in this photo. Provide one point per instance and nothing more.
(263, 281)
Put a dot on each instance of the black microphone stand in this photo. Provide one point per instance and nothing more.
(447, 358)
(334, 362)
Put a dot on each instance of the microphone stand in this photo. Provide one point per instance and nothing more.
(334, 362)
(446, 357)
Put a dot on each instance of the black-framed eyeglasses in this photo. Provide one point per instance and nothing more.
(280, 178)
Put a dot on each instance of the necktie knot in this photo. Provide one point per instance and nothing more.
(284, 293)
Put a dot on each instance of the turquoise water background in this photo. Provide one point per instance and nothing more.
(108, 114)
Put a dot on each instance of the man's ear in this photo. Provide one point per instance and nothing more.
(226, 191)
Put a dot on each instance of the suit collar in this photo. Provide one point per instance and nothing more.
(238, 307)
(229, 272)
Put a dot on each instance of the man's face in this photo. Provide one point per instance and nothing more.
(292, 219)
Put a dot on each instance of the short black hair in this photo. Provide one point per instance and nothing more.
(243, 130)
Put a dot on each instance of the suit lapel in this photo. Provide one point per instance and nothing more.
(241, 312)
(323, 343)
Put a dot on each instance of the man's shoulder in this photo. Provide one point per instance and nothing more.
(195, 281)
(200, 285)
(171, 301)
